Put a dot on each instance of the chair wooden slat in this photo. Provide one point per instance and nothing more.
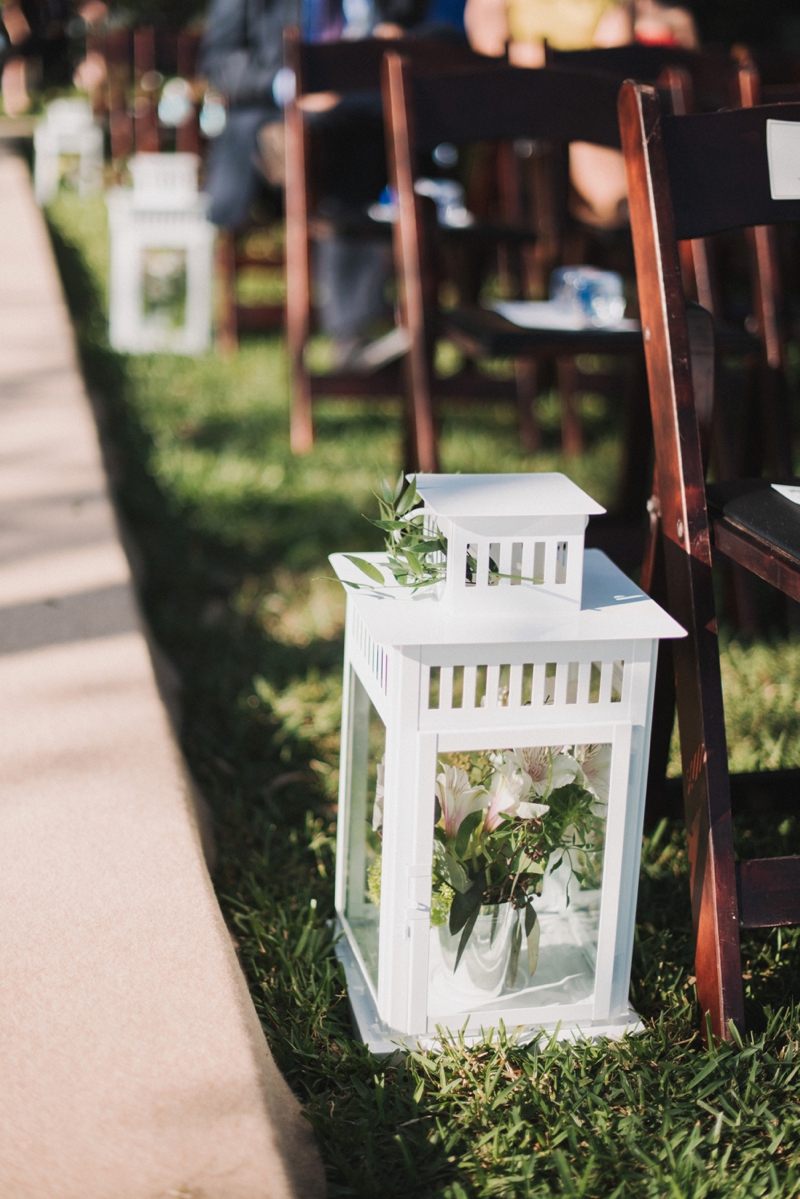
(769, 892)
(488, 334)
(758, 556)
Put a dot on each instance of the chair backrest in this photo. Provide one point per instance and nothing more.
(347, 67)
(718, 169)
(497, 103)
(677, 91)
(643, 63)
(502, 103)
(712, 71)
(688, 177)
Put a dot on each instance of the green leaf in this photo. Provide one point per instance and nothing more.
(513, 961)
(531, 919)
(465, 831)
(465, 936)
(368, 568)
(532, 933)
(459, 879)
(408, 499)
(398, 487)
(466, 905)
(389, 525)
(414, 564)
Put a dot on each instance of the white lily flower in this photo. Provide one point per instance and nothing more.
(531, 811)
(547, 767)
(508, 791)
(457, 798)
(595, 763)
(377, 811)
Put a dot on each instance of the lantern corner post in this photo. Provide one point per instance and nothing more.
(408, 850)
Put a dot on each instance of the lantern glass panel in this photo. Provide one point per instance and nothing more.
(523, 831)
(365, 820)
(69, 167)
(164, 286)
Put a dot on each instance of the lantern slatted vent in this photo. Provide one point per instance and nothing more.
(514, 562)
(373, 654)
(527, 684)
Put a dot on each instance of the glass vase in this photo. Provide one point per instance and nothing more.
(487, 961)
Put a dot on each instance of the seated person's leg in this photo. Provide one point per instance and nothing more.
(232, 178)
(351, 268)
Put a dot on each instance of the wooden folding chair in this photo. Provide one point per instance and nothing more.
(345, 69)
(118, 72)
(499, 104)
(187, 135)
(762, 440)
(145, 108)
(704, 78)
(689, 177)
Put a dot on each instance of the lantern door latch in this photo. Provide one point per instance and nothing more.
(419, 893)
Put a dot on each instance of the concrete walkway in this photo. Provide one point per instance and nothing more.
(132, 1063)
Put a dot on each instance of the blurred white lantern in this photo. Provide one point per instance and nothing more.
(509, 705)
(68, 146)
(162, 247)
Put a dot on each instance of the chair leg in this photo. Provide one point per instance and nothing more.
(227, 340)
(298, 324)
(529, 432)
(571, 432)
(422, 439)
(739, 596)
(778, 448)
(750, 434)
(638, 440)
(706, 791)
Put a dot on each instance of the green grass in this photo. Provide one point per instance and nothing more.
(232, 533)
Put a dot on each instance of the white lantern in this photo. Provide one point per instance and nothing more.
(509, 704)
(67, 145)
(162, 248)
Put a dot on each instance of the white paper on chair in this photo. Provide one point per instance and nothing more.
(790, 490)
(543, 314)
(783, 157)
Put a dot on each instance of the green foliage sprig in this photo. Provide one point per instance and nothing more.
(415, 557)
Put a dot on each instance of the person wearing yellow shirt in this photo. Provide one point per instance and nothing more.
(597, 173)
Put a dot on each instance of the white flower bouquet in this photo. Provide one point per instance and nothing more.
(501, 819)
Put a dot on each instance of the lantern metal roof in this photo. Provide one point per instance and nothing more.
(515, 495)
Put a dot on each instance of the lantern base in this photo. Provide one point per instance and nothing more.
(382, 1040)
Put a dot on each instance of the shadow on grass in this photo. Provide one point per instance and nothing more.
(274, 827)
